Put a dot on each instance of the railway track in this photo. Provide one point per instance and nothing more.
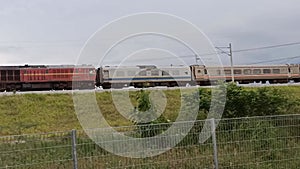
(136, 89)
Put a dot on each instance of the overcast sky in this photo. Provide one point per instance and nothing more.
(54, 31)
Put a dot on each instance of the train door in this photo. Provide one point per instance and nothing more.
(148, 72)
(104, 76)
(17, 75)
(99, 76)
(193, 76)
(10, 74)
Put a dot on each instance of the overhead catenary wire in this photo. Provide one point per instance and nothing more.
(257, 48)
(274, 60)
(240, 50)
(250, 49)
(64, 42)
(267, 47)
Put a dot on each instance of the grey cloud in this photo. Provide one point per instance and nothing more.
(245, 24)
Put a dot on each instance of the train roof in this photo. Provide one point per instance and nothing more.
(254, 66)
(9, 67)
(247, 66)
(45, 66)
(70, 66)
(146, 66)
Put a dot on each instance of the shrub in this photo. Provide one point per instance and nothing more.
(146, 111)
(243, 102)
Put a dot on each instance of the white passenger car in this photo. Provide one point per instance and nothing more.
(143, 76)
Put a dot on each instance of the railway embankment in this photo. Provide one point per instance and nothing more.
(36, 113)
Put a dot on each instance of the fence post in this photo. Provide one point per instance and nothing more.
(214, 141)
(74, 153)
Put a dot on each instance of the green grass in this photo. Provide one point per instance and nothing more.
(36, 113)
(30, 113)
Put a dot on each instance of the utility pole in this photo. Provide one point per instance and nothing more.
(231, 59)
(231, 62)
(197, 59)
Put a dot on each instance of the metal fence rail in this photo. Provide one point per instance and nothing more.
(256, 142)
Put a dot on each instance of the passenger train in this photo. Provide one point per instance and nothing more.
(47, 77)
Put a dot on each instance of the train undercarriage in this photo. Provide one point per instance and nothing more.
(46, 86)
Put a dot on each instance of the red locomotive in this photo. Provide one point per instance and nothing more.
(41, 77)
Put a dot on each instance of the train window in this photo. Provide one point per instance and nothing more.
(142, 73)
(120, 73)
(10, 75)
(199, 71)
(276, 71)
(92, 71)
(267, 71)
(105, 73)
(237, 71)
(155, 73)
(227, 72)
(131, 73)
(247, 71)
(46, 71)
(175, 72)
(165, 73)
(3, 75)
(256, 71)
(205, 71)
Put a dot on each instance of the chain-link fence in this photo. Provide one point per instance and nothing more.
(256, 142)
